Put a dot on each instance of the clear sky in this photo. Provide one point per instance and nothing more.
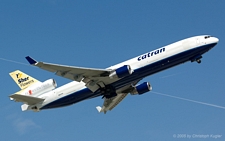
(102, 33)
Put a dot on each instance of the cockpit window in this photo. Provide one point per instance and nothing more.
(207, 37)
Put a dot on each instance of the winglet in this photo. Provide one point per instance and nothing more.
(99, 108)
(31, 60)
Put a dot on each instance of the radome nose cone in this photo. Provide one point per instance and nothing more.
(216, 39)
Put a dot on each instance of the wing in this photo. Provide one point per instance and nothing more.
(110, 103)
(65, 71)
(90, 76)
(26, 99)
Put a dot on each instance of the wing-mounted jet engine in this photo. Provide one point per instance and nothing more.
(121, 72)
(141, 88)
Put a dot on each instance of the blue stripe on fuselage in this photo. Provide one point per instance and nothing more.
(138, 74)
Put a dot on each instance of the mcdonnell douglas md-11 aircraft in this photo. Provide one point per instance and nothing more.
(113, 84)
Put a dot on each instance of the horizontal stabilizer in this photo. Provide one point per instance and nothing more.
(26, 99)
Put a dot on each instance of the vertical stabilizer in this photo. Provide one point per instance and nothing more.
(22, 80)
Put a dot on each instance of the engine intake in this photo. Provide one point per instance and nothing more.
(121, 72)
(141, 89)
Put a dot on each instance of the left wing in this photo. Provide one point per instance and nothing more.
(67, 71)
(93, 78)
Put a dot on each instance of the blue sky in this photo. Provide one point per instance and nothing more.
(103, 33)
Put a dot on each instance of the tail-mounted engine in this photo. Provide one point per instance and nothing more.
(41, 88)
(141, 89)
(121, 72)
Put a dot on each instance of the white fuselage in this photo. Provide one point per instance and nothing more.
(189, 49)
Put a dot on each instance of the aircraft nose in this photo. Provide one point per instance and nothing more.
(216, 40)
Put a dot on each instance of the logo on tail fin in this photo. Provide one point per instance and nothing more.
(22, 80)
(19, 75)
(25, 81)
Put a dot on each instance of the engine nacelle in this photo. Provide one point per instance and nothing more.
(121, 72)
(41, 87)
(142, 88)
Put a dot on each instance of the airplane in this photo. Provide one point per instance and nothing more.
(113, 84)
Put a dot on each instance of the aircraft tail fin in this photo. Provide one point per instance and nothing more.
(22, 80)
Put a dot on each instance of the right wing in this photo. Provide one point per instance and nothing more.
(110, 103)
(26, 99)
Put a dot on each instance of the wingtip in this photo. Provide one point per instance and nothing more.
(99, 108)
(31, 60)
